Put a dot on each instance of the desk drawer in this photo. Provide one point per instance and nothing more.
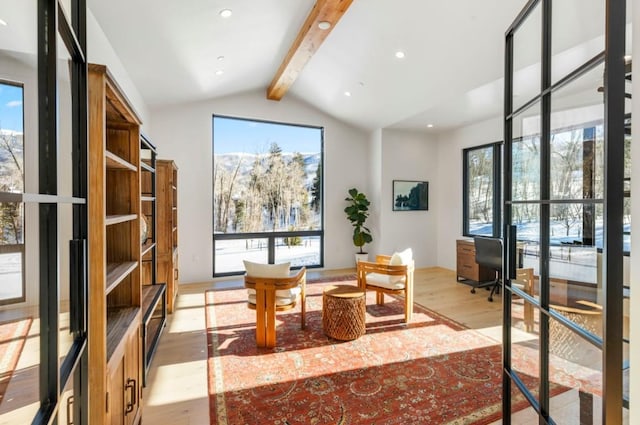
(466, 266)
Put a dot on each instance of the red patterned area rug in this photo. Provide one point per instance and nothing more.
(333, 279)
(12, 338)
(432, 371)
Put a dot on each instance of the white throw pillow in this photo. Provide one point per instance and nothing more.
(283, 296)
(401, 258)
(266, 270)
(385, 280)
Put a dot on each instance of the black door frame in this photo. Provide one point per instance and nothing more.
(612, 279)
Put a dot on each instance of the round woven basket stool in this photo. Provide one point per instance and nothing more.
(343, 311)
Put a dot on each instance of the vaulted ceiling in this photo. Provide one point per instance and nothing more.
(451, 73)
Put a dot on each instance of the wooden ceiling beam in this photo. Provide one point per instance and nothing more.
(307, 42)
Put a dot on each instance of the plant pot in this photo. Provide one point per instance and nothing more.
(362, 257)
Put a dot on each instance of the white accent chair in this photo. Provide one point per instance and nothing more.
(271, 288)
(389, 274)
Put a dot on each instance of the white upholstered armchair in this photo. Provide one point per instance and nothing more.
(271, 288)
(389, 274)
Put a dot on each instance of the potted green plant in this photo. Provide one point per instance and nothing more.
(357, 213)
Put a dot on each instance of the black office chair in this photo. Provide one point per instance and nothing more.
(489, 255)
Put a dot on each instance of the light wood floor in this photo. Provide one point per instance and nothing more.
(176, 391)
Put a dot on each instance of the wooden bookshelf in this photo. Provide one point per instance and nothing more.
(117, 272)
(121, 218)
(114, 314)
(154, 302)
(167, 196)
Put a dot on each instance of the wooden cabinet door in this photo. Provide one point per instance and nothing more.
(133, 378)
(116, 399)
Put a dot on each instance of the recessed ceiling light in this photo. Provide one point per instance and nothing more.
(347, 93)
(324, 25)
(400, 54)
(219, 72)
(429, 125)
(3, 22)
(225, 13)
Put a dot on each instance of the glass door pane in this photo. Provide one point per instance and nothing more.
(19, 261)
(575, 370)
(560, 156)
(525, 153)
(19, 360)
(69, 405)
(577, 34)
(527, 48)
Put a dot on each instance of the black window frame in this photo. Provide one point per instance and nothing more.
(73, 371)
(496, 189)
(17, 248)
(271, 237)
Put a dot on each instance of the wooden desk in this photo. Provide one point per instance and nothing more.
(466, 266)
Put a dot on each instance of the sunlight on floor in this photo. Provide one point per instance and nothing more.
(193, 373)
(177, 388)
(495, 333)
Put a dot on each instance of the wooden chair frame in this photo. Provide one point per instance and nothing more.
(525, 279)
(382, 266)
(266, 307)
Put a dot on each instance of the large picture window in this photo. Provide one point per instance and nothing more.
(11, 181)
(267, 194)
(481, 190)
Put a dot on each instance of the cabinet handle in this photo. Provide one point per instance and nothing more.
(135, 391)
(175, 274)
(70, 410)
(131, 385)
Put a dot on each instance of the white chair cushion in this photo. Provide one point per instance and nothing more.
(401, 258)
(282, 293)
(385, 281)
(283, 296)
(266, 270)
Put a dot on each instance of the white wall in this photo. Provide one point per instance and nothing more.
(184, 133)
(375, 192)
(101, 52)
(448, 200)
(408, 155)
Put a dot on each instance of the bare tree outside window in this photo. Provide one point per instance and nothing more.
(11, 181)
(267, 179)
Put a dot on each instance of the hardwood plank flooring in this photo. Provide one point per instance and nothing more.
(176, 391)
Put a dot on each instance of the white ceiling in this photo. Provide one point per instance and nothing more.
(451, 75)
(454, 55)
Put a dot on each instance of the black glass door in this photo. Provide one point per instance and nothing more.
(43, 218)
(564, 162)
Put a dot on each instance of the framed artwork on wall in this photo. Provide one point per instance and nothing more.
(409, 195)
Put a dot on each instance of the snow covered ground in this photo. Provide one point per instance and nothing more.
(10, 276)
(230, 253)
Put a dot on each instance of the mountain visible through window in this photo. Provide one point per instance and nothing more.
(267, 193)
